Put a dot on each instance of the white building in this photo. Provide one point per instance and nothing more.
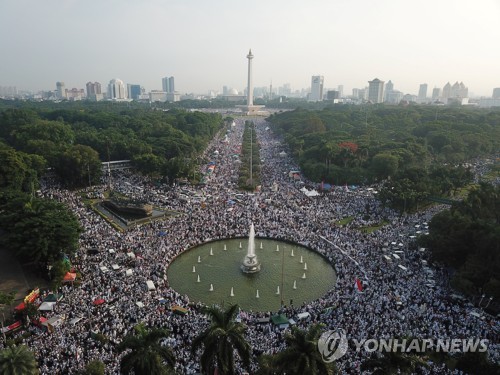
(116, 90)
(316, 88)
(376, 91)
(157, 96)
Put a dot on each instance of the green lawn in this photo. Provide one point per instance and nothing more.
(373, 228)
(345, 220)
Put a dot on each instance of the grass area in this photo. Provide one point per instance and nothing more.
(373, 228)
(345, 220)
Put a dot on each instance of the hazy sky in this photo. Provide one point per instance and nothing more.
(204, 43)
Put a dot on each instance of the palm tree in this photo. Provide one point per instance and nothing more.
(220, 340)
(18, 360)
(393, 362)
(146, 355)
(302, 355)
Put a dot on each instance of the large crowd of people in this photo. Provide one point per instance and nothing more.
(402, 293)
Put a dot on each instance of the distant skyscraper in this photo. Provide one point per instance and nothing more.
(376, 91)
(61, 90)
(389, 87)
(340, 89)
(116, 89)
(447, 91)
(316, 88)
(496, 93)
(93, 88)
(133, 91)
(422, 93)
(436, 93)
(168, 84)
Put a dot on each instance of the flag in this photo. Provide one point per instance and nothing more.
(359, 285)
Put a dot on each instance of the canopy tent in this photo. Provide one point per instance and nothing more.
(69, 277)
(53, 322)
(20, 307)
(309, 193)
(179, 310)
(47, 306)
(280, 320)
(53, 297)
(98, 301)
(150, 285)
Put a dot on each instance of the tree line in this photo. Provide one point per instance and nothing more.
(249, 171)
(74, 142)
(418, 150)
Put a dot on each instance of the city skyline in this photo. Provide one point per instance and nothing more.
(203, 46)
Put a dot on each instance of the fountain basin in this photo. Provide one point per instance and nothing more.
(223, 270)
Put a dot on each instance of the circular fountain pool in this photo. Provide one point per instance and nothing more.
(210, 278)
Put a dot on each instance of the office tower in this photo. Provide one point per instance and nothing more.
(496, 93)
(316, 88)
(93, 88)
(436, 93)
(61, 90)
(133, 91)
(447, 91)
(332, 95)
(389, 87)
(116, 89)
(422, 93)
(458, 90)
(225, 90)
(376, 91)
(168, 84)
(340, 89)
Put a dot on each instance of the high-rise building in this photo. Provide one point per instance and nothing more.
(94, 91)
(422, 93)
(316, 88)
(168, 84)
(496, 93)
(133, 91)
(93, 88)
(340, 89)
(116, 89)
(389, 87)
(376, 91)
(447, 91)
(436, 93)
(61, 90)
(332, 95)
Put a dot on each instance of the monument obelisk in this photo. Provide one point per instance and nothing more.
(250, 108)
(250, 86)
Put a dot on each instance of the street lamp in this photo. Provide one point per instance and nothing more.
(489, 301)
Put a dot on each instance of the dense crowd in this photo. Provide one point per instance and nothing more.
(412, 300)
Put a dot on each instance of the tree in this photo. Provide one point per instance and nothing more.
(145, 354)
(17, 360)
(37, 230)
(384, 165)
(302, 355)
(220, 340)
(93, 368)
(79, 165)
(393, 362)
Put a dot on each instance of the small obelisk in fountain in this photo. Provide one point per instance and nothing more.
(250, 263)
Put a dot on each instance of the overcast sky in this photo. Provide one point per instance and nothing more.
(204, 43)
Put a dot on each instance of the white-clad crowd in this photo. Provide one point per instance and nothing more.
(412, 300)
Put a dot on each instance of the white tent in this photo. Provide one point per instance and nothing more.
(150, 285)
(309, 193)
(47, 306)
